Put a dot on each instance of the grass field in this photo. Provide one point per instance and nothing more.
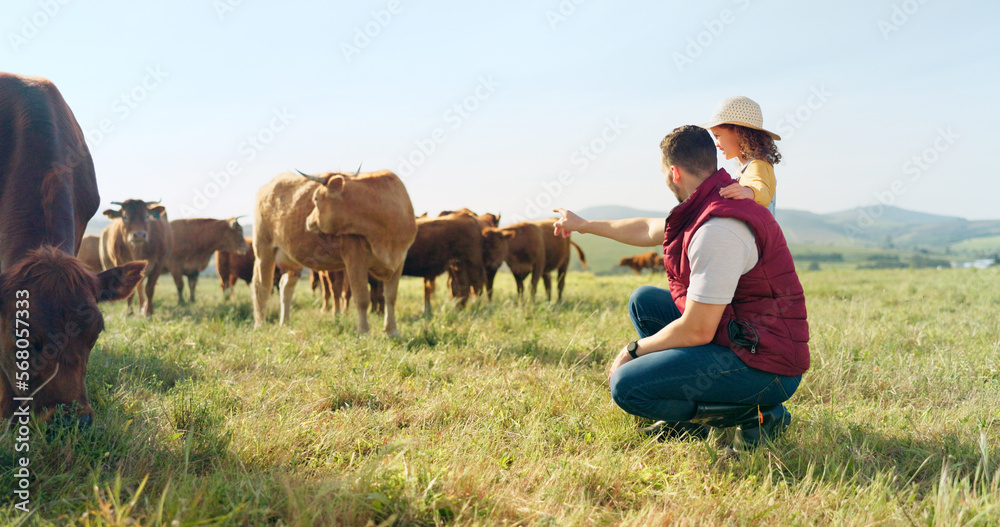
(500, 415)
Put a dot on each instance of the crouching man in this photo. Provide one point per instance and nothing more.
(728, 343)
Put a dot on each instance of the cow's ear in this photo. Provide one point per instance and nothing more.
(156, 210)
(335, 185)
(509, 234)
(112, 213)
(118, 282)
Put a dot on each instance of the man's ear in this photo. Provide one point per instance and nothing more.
(675, 173)
(118, 282)
(112, 213)
(335, 185)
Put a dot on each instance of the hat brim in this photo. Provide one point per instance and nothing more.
(712, 124)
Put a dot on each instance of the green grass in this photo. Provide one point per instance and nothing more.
(500, 415)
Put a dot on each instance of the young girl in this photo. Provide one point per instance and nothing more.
(738, 128)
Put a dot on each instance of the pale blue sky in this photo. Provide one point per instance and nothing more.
(887, 81)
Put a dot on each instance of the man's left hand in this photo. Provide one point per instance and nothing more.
(622, 358)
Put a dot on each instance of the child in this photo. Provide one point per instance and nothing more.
(738, 128)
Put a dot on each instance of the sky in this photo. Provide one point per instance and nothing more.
(517, 107)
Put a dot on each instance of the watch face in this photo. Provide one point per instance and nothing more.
(632, 346)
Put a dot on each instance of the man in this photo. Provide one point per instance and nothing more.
(728, 343)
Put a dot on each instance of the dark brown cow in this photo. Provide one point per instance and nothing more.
(525, 255)
(557, 257)
(452, 240)
(90, 253)
(49, 319)
(494, 252)
(362, 223)
(194, 242)
(652, 260)
(138, 231)
(233, 267)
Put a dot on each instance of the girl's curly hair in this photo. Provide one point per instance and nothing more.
(755, 144)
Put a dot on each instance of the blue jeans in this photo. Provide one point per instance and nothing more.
(667, 385)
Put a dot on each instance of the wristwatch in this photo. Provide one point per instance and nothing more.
(632, 347)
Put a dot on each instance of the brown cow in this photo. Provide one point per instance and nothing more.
(455, 241)
(652, 260)
(362, 223)
(194, 242)
(90, 253)
(557, 257)
(233, 267)
(494, 252)
(525, 255)
(138, 231)
(49, 319)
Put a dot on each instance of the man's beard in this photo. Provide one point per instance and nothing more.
(675, 189)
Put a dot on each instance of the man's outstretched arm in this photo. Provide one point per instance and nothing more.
(641, 232)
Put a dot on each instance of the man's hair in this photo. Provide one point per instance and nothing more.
(691, 148)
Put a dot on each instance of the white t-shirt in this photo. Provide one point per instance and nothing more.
(721, 251)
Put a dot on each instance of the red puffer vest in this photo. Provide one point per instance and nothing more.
(765, 325)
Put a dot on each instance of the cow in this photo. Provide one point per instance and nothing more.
(651, 260)
(494, 252)
(89, 253)
(139, 230)
(557, 257)
(525, 255)
(194, 242)
(451, 241)
(49, 315)
(362, 223)
(234, 266)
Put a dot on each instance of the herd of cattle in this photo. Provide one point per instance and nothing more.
(356, 232)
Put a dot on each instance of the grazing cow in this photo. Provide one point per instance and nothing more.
(362, 223)
(194, 242)
(557, 257)
(49, 319)
(494, 251)
(454, 241)
(651, 260)
(233, 267)
(90, 253)
(525, 255)
(139, 230)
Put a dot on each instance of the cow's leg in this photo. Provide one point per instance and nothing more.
(147, 303)
(263, 279)
(429, 286)
(547, 282)
(535, 275)
(192, 284)
(287, 291)
(128, 301)
(390, 289)
(490, 275)
(377, 295)
(357, 276)
(179, 282)
(561, 282)
(519, 280)
(326, 286)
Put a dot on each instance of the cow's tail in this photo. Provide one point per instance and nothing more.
(579, 252)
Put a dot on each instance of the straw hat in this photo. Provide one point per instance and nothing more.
(739, 110)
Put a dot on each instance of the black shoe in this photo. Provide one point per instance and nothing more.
(663, 430)
(765, 426)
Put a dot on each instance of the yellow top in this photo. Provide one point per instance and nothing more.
(759, 176)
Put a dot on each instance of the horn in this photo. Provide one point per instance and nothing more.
(120, 204)
(157, 202)
(358, 171)
(311, 178)
(240, 216)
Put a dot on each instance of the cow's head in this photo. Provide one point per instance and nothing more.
(135, 214)
(489, 219)
(495, 246)
(328, 202)
(234, 240)
(50, 321)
